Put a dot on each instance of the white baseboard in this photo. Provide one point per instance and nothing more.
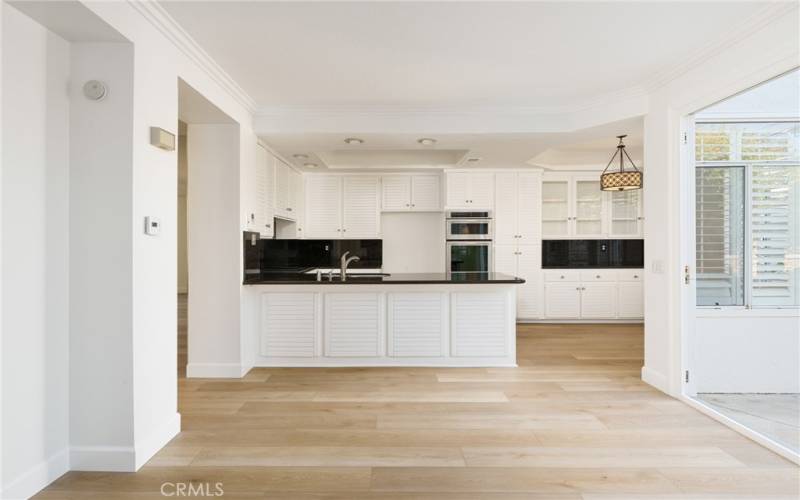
(37, 477)
(157, 440)
(214, 370)
(102, 458)
(618, 321)
(656, 379)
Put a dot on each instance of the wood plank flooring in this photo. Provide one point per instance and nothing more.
(573, 421)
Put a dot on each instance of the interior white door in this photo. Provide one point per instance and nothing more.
(506, 209)
(598, 300)
(396, 193)
(529, 214)
(630, 299)
(529, 265)
(323, 206)
(481, 190)
(426, 193)
(361, 217)
(562, 300)
(457, 190)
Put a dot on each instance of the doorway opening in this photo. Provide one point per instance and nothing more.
(742, 350)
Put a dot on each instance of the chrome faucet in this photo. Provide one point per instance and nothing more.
(346, 262)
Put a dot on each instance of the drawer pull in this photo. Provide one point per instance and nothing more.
(598, 276)
(635, 275)
(562, 276)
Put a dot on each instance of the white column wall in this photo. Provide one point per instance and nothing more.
(35, 211)
(214, 251)
(767, 52)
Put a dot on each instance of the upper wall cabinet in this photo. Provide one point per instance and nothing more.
(415, 193)
(573, 206)
(263, 209)
(470, 190)
(517, 208)
(341, 206)
(287, 197)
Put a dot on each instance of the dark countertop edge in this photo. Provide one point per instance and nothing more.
(362, 281)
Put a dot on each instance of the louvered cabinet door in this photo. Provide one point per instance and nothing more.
(481, 191)
(396, 193)
(289, 325)
(529, 301)
(479, 324)
(562, 300)
(417, 324)
(353, 324)
(361, 217)
(323, 214)
(426, 193)
(265, 193)
(458, 190)
(505, 211)
(281, 188)
(529, 214)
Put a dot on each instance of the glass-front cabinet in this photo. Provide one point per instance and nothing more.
(555, 208)
(573, 206)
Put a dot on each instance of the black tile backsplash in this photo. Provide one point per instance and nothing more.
(577, 254)
(294, 255)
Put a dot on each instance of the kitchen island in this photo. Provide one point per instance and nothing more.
(428, 319)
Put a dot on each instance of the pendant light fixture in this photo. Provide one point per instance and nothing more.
(621, 180)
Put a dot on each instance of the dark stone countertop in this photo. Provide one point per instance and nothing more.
(353, 278)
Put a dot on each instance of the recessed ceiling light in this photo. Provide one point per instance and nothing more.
(310, 165)
(353, 140)
(427, 141)
(301, 156)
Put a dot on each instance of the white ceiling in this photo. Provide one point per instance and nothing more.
(450, 53)
(513, 83)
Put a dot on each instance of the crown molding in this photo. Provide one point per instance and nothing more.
(156, 15)
(737, 33)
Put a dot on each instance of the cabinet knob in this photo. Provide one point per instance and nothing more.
(413, 205)
(267, 225)
(578, 288)
(288, 209)
(344, 230)
(635, 275)
(562, 276)
(338, 230)
(407, 204)
(598, 276)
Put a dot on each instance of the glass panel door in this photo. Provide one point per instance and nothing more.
(469, 257)
(588, 208)
(625, 213)
(555, 208)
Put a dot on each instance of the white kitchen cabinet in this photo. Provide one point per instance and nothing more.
(263, 210)
(360, 214)
(411, 193)
(523, 261)
(562, 300)
(354, 324)
(599, 300)
(470, 190)
(289, 326)
(417, 324)
(573, 206)
(341, 207)
(282, 188)
(593, 294)
(626, 213)
(477, 324)
(297, 201)
(323, 206)
(630, 299)
(517, 215)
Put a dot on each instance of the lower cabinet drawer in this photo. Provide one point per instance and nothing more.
(557, 275)
(590, 275)
(631, 274)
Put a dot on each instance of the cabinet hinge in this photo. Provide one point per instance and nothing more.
(685, 138)
(687, 376)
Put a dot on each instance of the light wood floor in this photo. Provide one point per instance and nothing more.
(573, 421)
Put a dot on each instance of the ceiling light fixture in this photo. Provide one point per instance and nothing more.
(300, 156)
(353, 140)
(427, 141)
(310, 165)
(621, 180)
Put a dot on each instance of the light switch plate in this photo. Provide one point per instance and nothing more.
(152, 225)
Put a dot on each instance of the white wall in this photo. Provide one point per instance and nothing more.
(413, 242)
(101, 259)
(34, 255)
(214, 250)
(749, 352)
(768, 51)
